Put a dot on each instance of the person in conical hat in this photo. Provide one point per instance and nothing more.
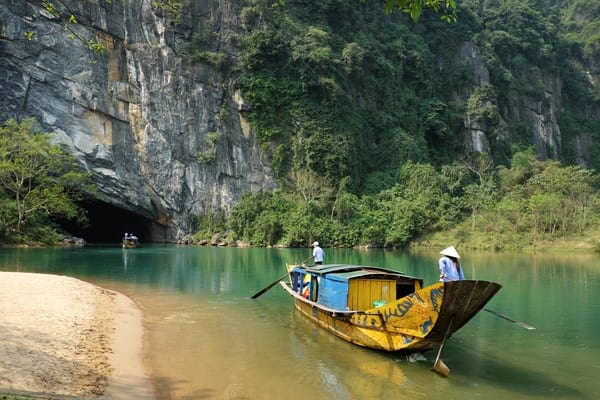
(450, 269)
(450, 252)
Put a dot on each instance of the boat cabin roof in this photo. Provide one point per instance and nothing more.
(348, 271)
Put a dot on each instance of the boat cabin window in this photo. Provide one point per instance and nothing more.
(404, 289)
(306, 285)
(298, 281)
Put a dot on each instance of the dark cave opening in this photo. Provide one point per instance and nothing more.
(108, 223)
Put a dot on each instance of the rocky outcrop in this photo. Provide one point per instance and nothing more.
(162, 136)
(475, 128)
(541, 116)
(538, 114)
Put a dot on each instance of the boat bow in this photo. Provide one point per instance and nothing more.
(437, 310)
(462, 300)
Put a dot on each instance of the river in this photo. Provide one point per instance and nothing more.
(206, 339)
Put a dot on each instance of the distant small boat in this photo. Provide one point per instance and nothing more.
(130, 242)
(385, 309)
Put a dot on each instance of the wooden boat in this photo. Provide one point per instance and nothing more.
(385, 309)
(130, 242)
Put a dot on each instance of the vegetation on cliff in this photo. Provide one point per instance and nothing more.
(363, 117)
(531, 204)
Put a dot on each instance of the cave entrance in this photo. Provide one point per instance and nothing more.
(108, 223)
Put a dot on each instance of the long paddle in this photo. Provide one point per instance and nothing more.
(438, 365)
(514, 321)
(262, 291)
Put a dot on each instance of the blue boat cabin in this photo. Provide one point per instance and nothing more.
(357, 289)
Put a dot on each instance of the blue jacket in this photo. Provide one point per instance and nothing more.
(449, 270)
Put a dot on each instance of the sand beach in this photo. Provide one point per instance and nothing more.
(64, 337)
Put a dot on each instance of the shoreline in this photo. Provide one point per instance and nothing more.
(65, 337)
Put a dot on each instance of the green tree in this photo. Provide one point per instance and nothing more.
(414, 8)
(416, 204)
(479, 197)
(39, 181)
(314, 189)
(570, 189)
(262, 218)
(544, 209)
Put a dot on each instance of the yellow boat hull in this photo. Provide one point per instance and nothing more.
(417, 322)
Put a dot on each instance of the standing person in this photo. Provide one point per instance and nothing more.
(318, 253)
(450, 269)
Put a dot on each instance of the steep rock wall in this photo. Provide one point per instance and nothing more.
(162, 137)
(539, 114)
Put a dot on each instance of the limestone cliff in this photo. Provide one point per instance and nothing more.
(539, 114)
(158, 122)
(162, 136)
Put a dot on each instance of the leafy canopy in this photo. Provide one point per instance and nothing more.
(414, 8)
(38, 181)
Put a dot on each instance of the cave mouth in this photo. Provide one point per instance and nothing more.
(108, 223)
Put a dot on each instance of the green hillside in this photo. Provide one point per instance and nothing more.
(362, 114)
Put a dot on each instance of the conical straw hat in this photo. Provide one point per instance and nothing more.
(450, 252)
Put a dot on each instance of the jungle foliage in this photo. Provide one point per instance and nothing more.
(361, 112)
(39, 183)
(523, 205)
(362, 115)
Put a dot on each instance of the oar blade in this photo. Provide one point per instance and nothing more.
(514, 321)
(440, 368)
(524, 325)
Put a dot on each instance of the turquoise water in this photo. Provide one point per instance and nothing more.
(206, 339)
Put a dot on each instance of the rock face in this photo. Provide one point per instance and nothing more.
(161, 135)
(538, 113)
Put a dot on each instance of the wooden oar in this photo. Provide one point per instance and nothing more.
(514, 321)
(438, 365)
(262, 291)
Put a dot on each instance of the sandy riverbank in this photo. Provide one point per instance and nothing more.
(62, 336)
